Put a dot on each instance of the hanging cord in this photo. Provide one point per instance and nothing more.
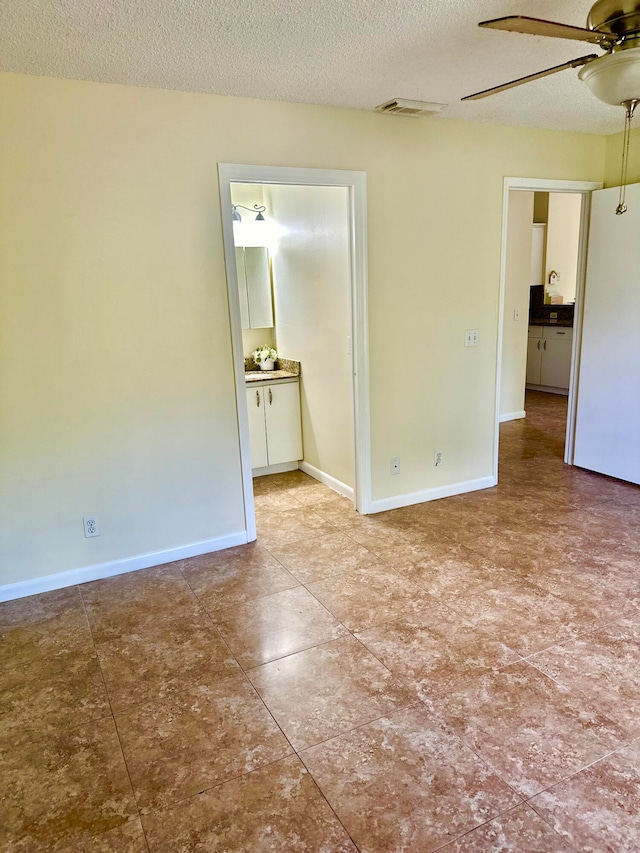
(630, 109)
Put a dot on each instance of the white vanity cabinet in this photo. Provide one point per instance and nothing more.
(275, 431)
(549, 357)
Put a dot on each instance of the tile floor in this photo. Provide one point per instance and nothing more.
(459, 676)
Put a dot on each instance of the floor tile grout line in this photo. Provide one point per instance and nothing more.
(246, 669)
(293, 754)
(575, 773)
(483, 759)
(361, 725)
(498, 772)
(327, 801)
(115, 725)
(497, 817)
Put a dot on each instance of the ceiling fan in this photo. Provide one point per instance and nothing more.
(614, 77)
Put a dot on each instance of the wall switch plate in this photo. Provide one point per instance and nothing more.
(516, 313)
(438, 458)
(91, 528)
(395, 465)
(471, 338)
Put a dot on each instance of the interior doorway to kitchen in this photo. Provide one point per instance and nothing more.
(544, 248)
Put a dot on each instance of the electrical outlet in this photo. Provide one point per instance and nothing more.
(91, 526)
(471, 338)
(438, 458)
(395, 465)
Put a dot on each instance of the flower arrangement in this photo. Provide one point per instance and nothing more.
(264, 357)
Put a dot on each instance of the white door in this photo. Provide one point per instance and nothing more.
(257, 427)
(282, 408)
(607, 435)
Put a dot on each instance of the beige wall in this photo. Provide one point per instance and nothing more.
(516, 297)
(613, 159)
(117, 394)
(563, 242)
(312, 290)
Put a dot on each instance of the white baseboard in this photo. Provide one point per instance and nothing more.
(548, 389)
(21, 589)
(328, 480)
(512, 416)
(280, 468)
(383, 504)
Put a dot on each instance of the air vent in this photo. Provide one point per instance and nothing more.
(400, 107)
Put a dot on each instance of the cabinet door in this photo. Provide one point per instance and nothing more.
(556, 362)
(534, 360)
(242, 288)
(284, 433)
(257, 427)
(256, 260)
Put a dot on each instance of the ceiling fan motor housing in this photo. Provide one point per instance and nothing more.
(621, 18)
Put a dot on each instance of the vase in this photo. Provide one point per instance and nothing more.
(267, 364)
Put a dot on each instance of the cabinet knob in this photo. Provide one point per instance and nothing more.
(258, 399)
(545, 344)
(270, 397)
(538, 344)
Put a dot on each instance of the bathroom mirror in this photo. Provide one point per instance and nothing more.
(254, 287)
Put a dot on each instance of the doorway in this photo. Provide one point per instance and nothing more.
(289, 183)
(552, 329)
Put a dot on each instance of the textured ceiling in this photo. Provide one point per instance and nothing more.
(348, 53)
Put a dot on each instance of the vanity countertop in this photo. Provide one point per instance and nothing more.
(252, 376)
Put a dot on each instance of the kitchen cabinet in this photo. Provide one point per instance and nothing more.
(549, 357)
(254, 287)
(275, 432)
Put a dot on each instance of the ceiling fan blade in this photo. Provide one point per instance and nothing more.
(539, 27)
(573, 63)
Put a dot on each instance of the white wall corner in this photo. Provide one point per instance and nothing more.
(328, 480)
(98, 571)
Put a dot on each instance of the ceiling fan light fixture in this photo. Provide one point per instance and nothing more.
(615, 77)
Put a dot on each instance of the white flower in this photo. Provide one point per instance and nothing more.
(264, 353)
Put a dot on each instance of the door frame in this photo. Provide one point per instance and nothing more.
(356, 184)
(585, 188)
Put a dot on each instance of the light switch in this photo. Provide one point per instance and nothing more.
(471, 338)
(516, 313)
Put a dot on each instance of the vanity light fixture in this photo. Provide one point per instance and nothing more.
(257, 208)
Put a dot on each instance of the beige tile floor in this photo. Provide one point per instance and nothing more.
(459, 676)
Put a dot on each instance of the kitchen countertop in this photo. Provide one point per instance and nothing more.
(268, 375)
(559, 322)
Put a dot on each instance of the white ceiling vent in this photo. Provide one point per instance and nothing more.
(400, 107)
